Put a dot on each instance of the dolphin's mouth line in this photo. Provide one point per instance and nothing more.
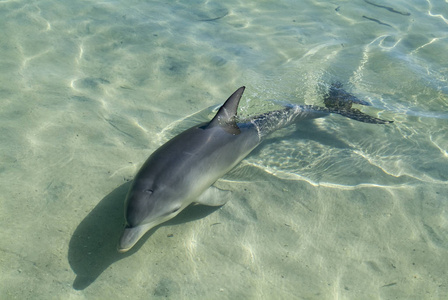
(122, 250)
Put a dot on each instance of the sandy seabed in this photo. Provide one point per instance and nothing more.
(327, 209)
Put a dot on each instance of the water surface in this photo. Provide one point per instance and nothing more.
(327, 209)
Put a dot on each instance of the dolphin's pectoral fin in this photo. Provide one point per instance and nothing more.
(213, 196)
(226, 115)
(339, 101)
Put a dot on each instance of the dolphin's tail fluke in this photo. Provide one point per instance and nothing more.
(338, 101)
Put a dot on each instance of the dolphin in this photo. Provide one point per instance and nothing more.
(181, 170)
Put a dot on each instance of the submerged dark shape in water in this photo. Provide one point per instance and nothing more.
(376, 21)
(182, 171)
(391, 9)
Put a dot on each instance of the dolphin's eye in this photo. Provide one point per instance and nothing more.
(147, 193)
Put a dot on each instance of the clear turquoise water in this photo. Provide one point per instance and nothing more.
(330, 209)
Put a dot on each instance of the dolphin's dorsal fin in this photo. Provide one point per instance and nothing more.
(226, 115)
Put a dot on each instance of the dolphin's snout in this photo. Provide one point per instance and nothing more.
(131, 235)
(128, 239)
(120, 250)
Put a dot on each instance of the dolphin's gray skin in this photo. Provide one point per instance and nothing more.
(177, 173)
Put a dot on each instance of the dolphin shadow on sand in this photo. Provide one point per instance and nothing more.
(93, 246)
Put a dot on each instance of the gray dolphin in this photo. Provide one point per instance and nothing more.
(177, 173)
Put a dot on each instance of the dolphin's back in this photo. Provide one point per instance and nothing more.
(202, 154)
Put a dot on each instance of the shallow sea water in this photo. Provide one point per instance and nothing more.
(327, 209)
